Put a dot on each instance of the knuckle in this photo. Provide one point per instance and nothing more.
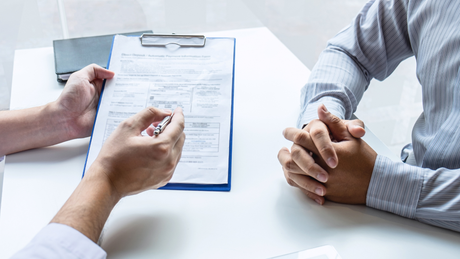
(170, 166)
(317, 133)
(182, 125)
(162, 149)
(93, 67)
(304, 185)
(317, 124)
(335, 120)
(325, 149)
(314, 122)
(151, 109)
(290, 181)
(127, 124)
(296, 154)
(310, 195)
(288, 165)
(310, 167)
(300, 137)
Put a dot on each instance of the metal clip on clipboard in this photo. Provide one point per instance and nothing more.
(162, 40)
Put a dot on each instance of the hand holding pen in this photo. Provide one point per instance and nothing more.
(162, 125)
(156, 129)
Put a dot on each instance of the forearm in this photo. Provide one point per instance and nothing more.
(429, 196)
(90, 204)
(371, 47)
(337, 82)
(32, 128)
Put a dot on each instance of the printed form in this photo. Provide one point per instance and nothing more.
(198, 79)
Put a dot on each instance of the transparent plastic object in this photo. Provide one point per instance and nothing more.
(322, 252)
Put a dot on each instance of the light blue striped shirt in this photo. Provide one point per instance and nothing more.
(383, 34)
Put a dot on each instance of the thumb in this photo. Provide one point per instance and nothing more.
(356, 128)
(93, 71)
(336, 125)
(145, 118)
(94, 74)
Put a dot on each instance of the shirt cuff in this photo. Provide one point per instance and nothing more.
(310, 113)
(61, 241)
(395, 187)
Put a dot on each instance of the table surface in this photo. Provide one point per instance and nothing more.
(262, 216)
(390, 107)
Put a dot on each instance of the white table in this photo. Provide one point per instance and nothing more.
(261, 217)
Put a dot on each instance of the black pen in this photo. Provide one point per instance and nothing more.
(162, 125)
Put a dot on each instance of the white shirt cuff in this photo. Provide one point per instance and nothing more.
(61, 241)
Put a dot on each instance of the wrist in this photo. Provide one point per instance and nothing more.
(62, 121)
(90, 205)
(371, 157)
(47, 126)
(99, 173)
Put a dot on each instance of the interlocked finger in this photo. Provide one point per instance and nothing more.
(318, 199)
(284, 156)
(319, 133)
(307, 164)
(307, 183)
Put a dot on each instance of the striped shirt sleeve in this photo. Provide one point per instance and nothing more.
(429, 196)
(371, 47)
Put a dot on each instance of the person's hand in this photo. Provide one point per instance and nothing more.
(327, 129)
(128, 163)
(78, 101)
(70, 116)
(323, 132)
(305, 167)
(133, 163)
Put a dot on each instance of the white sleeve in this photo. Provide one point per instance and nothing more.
(60, 241)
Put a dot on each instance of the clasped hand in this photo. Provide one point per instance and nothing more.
(329, 160)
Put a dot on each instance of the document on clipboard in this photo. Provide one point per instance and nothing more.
(166, 71)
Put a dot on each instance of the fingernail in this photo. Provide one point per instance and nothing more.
(324, 108)
(319, 191)
(322, 178)
(318, 201)
(331, 162)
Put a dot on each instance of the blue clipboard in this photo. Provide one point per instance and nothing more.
(164, 40)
